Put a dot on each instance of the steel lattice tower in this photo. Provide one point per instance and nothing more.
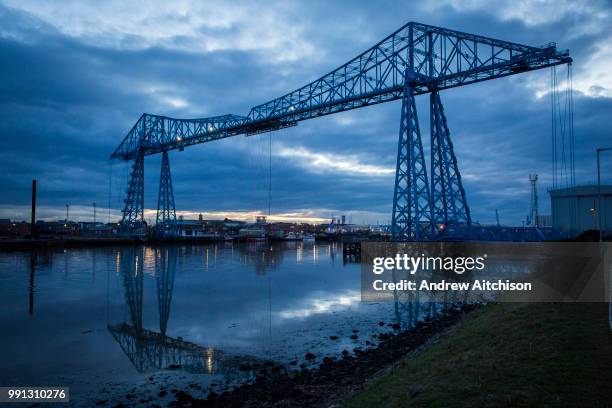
(133, 211)
(166, 213)
(449, 205)
(411, 217)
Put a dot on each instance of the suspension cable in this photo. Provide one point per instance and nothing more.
(553, 123)
(110, 163)
(269, 173)
(562, 130)
(570, 91)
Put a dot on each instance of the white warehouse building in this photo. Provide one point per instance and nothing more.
(576, 209)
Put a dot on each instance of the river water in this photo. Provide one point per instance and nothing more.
(111, 322)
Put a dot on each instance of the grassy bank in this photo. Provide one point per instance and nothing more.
(513, 355)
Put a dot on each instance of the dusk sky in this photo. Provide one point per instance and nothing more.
(75, 76)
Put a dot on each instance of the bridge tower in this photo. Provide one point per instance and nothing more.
(411, 219)
(133, 210)
(449, 205)
(166, 212)
(418, 213)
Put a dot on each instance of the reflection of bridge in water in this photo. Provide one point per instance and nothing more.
(412, 306)
(149, 350)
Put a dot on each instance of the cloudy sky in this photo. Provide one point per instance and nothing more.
(76, 75)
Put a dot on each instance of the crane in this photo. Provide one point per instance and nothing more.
(416, 59)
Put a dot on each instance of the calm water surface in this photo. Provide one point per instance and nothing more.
(111, 321)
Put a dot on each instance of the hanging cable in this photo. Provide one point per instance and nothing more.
(570, 91)
(269, 172)
(109, 188)
(561, 115)
(553, 123)
(562, 130)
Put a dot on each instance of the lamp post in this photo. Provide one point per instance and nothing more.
(603, 149)
(599, 150)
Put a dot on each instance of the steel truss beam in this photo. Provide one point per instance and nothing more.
(440, 59)
(411, 218)
(166, 212)
(448, 202)
(133, 210)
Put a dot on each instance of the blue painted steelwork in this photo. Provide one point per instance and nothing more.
(436, 58)
(155, 134)
(133, 210)
(477, 232)
(166, 213)
(440, 59)
(448, 202)
(411, 217)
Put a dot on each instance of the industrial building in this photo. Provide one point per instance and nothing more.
(576, 209)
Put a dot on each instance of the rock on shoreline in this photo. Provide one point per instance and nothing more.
(333, 379)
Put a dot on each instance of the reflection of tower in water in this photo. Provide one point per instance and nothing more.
(132, 270)
(165, 271)
(412, 306)
(407, 306)
(149, 350)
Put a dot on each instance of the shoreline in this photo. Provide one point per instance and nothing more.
(26, 244)
(334, 379)
(64, 242)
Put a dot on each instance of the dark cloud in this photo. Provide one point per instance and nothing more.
(66, 102)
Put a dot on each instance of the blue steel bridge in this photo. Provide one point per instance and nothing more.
(414, 60)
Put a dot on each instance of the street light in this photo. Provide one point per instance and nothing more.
(599, 150)
(603, 149)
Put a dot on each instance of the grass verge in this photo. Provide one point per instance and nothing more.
(508, 355)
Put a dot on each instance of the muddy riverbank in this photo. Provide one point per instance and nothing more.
(329, 382)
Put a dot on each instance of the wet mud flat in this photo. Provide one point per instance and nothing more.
(334, 378)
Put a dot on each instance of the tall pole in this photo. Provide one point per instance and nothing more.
(269, 172)
(599, 192)
(599, 197)
(94, 206)
(599, 228)
(109, 190)
(33, 219)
